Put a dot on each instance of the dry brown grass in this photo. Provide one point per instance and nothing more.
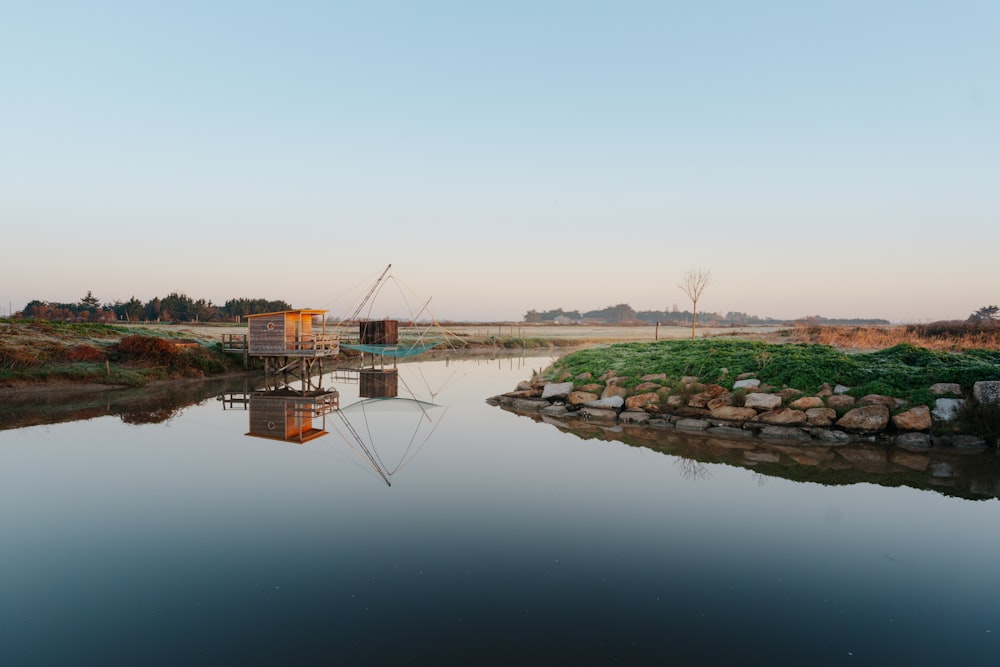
(948, 336)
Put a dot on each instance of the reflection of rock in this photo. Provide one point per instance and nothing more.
(914, 442)
(873, 459)
(692, 424)
(911, 460)
(760, 456)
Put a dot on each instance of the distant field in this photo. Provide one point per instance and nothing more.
(482, 332)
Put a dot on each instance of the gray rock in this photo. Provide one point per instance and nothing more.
(557, 390)
(600, 414)
(555, 410)
(612, 402)
(691, 424)
(749, 383)
(841, 389)
(987, 392)
(528, 404)
(964, 441)
(784, 433)
(914, 442)
(634, 416)
(946, 409)
(830, 436)
(762, 401)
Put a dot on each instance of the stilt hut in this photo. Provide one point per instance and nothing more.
(293, 344)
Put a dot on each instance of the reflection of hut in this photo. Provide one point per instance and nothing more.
(290, 418)
(378, 383)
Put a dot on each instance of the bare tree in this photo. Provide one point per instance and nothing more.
(693, 284)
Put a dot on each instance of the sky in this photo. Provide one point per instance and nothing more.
(833, 158)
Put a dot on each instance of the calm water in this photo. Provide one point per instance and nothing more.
(499, 541)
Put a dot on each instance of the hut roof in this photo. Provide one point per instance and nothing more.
(300, 311)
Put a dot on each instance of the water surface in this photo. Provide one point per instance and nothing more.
(500, 540)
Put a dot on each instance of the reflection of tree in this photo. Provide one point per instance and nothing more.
(693, 470)
(761, 479)
(151, 415)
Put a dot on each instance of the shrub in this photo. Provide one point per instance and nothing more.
(84, 353)
(145, 349)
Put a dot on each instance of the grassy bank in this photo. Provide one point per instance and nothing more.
(904, 371)
(41, 352)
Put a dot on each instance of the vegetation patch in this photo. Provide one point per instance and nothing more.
(905, 371)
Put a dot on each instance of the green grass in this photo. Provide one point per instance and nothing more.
(904, 371)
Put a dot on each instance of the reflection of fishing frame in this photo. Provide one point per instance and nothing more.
(368, 449)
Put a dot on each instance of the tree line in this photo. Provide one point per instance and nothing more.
(172, 308)
(625, 314)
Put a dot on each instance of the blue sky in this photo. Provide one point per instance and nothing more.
(832, 158)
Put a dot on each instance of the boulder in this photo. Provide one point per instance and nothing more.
(654, 377)
(733, 414)
(613, 390)
(555, 410)
(557, 390)
(675, 401)
(789, 394)
(841, 389)
(593, 388)
(840, 401)
(917, 418)
(730, 432)
(689, 379)
(987, 392)
(581, 397)
(866, 419)
(644, 387)
(806, 402)
(715, 390)
(783, 417)
(720, 402)
(639, 401)
(824, 391)
(878, 399)
(748, 383)
(699, 400)
(744, 376)
(821, 416)
(946, 389)
(617, 380)
(947, 409)
(584, 376)
(762, 401)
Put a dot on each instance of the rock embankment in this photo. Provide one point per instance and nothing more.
(753, 409)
